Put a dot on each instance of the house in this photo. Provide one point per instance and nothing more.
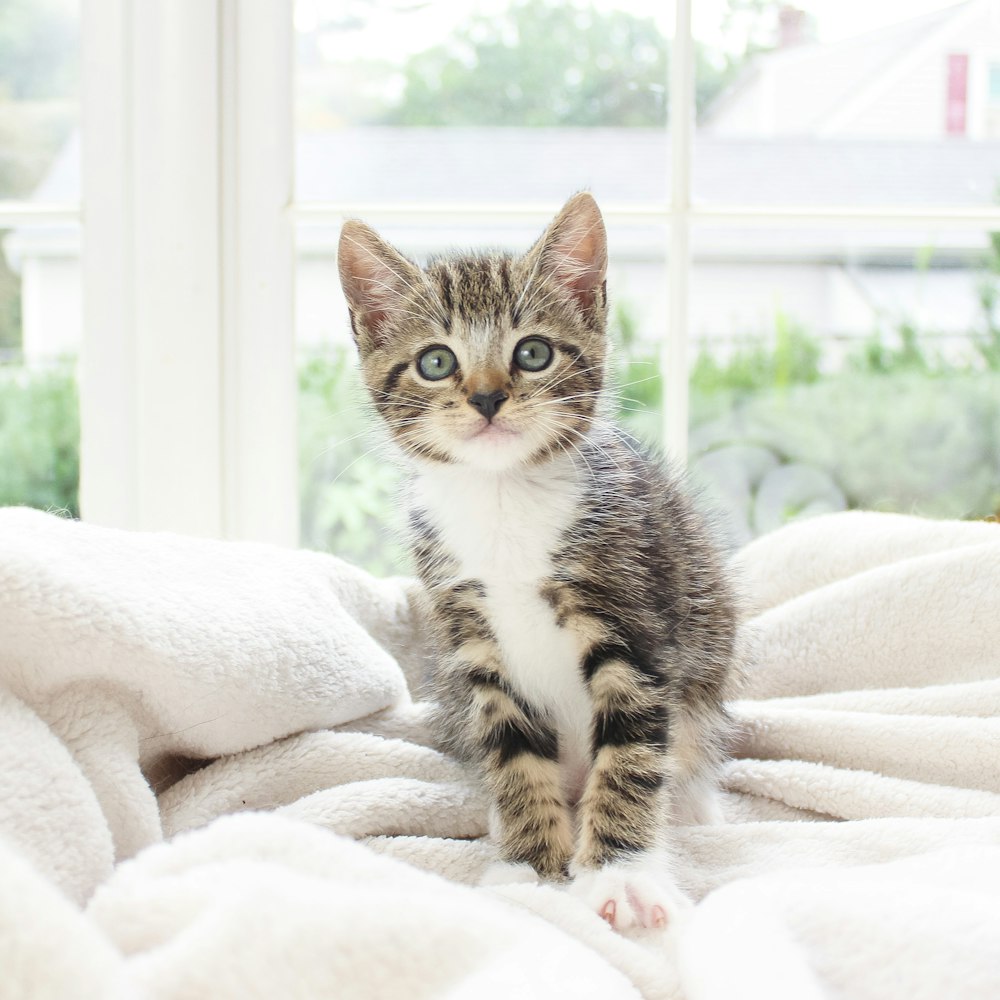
(816, 145)
(932, 77)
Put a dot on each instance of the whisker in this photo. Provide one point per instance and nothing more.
(553, 382)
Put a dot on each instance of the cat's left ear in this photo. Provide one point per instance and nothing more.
(574, 251)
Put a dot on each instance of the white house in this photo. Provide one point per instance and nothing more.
(932, 77)
(801, 128)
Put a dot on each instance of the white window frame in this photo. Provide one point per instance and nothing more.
(188, 391)
(187, 369)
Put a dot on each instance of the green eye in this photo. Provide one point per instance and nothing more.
(533, 354)
(436, 363)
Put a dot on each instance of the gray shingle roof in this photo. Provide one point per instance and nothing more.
(545, 165)
(632, 165)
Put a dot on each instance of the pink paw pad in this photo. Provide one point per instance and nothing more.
(631, 898)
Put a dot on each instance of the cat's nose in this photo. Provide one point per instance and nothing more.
(488, 402)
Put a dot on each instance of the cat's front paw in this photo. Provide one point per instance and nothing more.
(631, 895)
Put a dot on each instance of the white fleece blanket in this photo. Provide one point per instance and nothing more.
(325, 850)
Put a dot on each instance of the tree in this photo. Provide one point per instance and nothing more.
(546, 63)
(538, 64)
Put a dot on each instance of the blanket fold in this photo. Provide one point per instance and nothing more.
(216, 779)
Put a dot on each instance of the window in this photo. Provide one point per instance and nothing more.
(845, 278)
(992, 129)
(39, 254)
(804, 269)
(460, 127)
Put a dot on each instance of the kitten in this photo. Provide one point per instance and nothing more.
(585, 627)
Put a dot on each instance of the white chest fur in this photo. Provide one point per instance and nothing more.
(503, 529)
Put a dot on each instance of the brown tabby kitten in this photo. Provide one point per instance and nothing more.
(585, 626)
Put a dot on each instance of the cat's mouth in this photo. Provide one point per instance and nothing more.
(493, 432)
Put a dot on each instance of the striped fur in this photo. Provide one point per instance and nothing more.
(585, 626)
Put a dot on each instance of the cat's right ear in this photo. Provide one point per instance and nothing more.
(375, 278)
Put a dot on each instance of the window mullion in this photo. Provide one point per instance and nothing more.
(674, 354)
(260, 481)
(187, 365)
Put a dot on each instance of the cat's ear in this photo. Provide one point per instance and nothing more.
(375, 278)
(574, 251)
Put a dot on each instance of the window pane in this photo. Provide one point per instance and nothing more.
(39, 436)
(39, 263)
(840, 363)
(39, 63)
(829, 377)
(39, 417)
(435, 108)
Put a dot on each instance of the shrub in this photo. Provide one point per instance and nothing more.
(347, 484)
(39, 438)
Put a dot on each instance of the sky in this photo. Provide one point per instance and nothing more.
(835, 19)
(399, 35)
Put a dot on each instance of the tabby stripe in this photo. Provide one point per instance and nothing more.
(392, 379)
(580, 360)
(462, 630)
(472, 588)
(603, 653)
(619, 845)
(619, 727)
(483, 677)
(432, 453)
(508, 291)
(634, 788)
(449, 304)
(573, 351)
(512, 738)
(617, 649)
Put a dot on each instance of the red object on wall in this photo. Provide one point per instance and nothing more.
(958, 94)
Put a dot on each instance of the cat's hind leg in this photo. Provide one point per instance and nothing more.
(696, 801)
(693, 764)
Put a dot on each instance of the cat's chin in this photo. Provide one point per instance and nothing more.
(495, 434)
(493, 448)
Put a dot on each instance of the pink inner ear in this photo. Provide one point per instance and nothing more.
(372, 284)
(577, 257)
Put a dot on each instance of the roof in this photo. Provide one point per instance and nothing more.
(543, 165)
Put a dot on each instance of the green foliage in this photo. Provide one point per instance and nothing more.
(623, 326)
(347, 479)
(39, 439)
(10, 304)
(900, 442)
(543, 63)
(756, 364)
(540, 64)
(880, 356)
(987, 341)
